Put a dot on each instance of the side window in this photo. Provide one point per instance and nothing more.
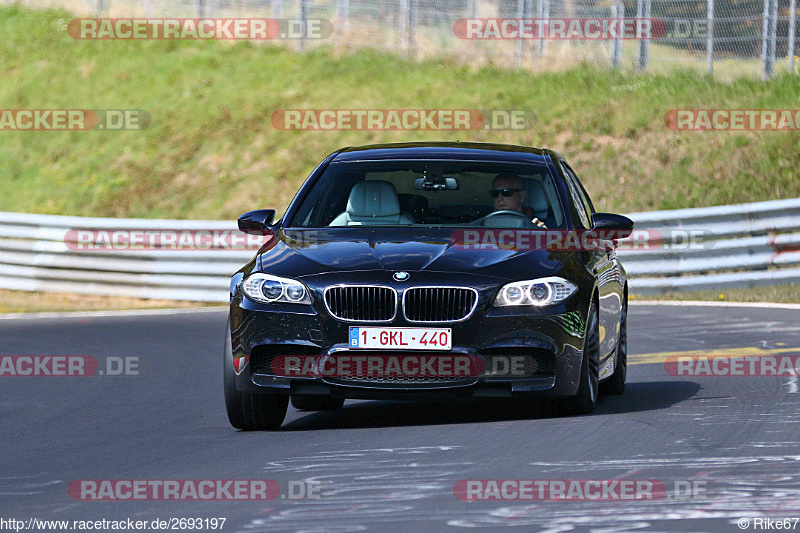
(577, 198)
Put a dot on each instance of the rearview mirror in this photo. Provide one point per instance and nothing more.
(257, 222)
(612, 227)
(425, 184)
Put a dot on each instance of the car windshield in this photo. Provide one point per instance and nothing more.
(431, 193)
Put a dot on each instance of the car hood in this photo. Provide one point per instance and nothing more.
(299, 253)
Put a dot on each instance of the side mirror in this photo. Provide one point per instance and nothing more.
(612, 227)
(257, 222)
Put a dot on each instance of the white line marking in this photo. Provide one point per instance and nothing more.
(692, 303)
(100, 314)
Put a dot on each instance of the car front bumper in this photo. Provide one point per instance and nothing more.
(551, 336)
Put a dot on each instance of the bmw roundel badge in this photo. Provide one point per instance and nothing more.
(401, 276)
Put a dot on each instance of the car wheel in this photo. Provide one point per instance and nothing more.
(583, 402)
(249, 411)
(308, 402)
(616, 383)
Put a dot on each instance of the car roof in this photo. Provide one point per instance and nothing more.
(445, 150)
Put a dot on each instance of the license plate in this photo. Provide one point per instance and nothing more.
(401, 338)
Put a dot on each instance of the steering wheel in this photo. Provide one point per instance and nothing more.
(507, 212)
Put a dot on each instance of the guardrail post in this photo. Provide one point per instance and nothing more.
(546, 17)
(302, 15)
(402, 18)
(792, 21)
(768, 39)
(343, 12)
(100, 7)
(520, 15)
(642, 12)
(408, 19)
(710, 38)
(527, 14)
(413, 17)
(617, 12)
(472, 8)
(539, 26)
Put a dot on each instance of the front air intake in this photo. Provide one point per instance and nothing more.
(361, 303)
(439, 304)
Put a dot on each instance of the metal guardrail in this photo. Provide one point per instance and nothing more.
(722, 247)
(34, 256)
(681, 250)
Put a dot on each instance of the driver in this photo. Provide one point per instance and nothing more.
(509, 193)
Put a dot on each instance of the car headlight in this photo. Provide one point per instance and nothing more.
(266, 288)
(539, 292)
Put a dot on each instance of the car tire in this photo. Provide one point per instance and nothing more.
(585, 399)
(308, 402)
(616, 383)
(247, 411)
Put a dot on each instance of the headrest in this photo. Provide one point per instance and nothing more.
(536, 197)
(373, 199)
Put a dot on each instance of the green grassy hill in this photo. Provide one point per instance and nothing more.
(212, 152)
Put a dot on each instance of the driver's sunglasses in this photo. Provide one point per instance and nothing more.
(507, 193)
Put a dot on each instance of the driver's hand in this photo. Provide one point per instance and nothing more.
(539, 223)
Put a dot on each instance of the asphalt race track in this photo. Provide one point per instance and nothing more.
(392, 466)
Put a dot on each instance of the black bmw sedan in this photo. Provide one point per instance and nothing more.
(428, 271)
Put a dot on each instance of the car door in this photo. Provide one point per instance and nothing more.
(605, 265)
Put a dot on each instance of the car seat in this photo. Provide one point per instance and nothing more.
(372, 203)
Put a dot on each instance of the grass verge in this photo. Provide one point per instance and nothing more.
(789, 294)
(39, 302)
(212, 152)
